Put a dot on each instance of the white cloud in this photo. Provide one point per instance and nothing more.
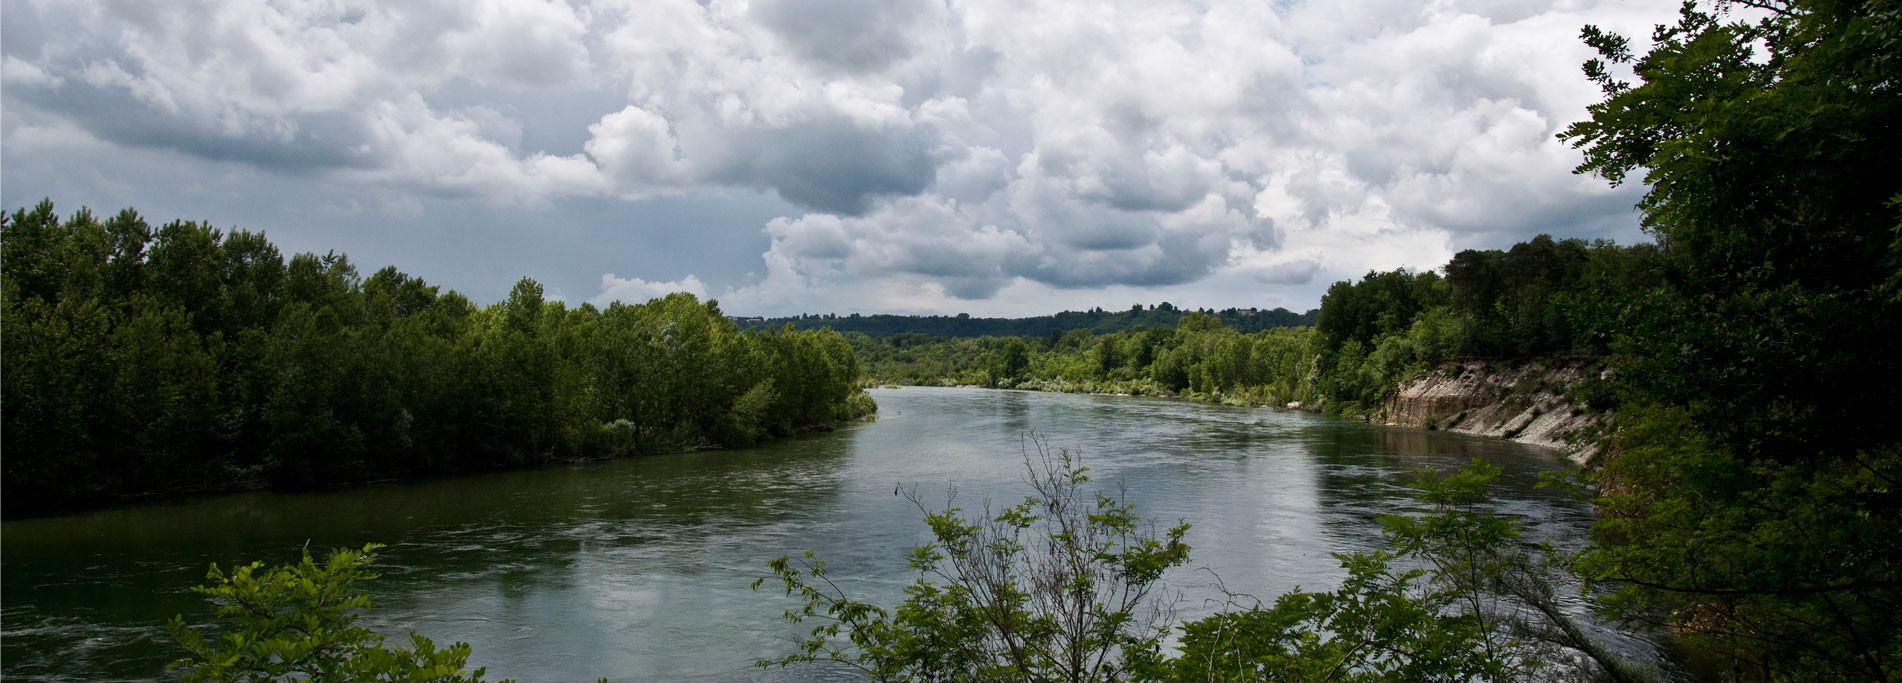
(449, 153)
(938, 153)
(634, 290)
(21, 73)
(635, 148)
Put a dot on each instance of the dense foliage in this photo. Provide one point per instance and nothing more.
(1095, 320)
(140, 361)
(1756, 503)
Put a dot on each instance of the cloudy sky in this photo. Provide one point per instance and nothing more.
(996, 157)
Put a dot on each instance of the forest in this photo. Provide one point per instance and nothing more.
(142, 360)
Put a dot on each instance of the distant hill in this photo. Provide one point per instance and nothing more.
(1096, 320)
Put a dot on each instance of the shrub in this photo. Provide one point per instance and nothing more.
(299, 621)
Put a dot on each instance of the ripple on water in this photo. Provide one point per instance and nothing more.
(640, 569)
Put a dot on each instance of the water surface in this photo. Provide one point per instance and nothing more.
(639, 569)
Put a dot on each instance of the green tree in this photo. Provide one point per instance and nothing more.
(1013, 360)
(185, 269)
(1754, 493)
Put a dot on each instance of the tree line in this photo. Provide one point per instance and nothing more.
(1542, 297)
(141, 360)
(1095, 320)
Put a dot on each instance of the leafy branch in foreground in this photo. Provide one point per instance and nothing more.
(1063, 586)
(299, 622)
(1455, 597)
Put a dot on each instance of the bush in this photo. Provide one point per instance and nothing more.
(299, 621)
(1058, 587)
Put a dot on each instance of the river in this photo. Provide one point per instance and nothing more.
(639, 569)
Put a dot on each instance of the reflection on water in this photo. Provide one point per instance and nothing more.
(639, 569)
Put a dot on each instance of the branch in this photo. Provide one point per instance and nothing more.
(1765, 5)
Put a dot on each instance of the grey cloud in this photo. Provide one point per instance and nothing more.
(1263, 235)
(1492, 216)
(312, 142)
(973, 288)
(22, 33)
(1120, 235)
(851, 35)
(1167, 258)
(1290, 273)
(935, 261)
(494, 125)
(833, 166)
(1135, 268)
(1133, 185)
(962, 73)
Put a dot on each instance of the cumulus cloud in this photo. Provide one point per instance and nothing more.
(849, 35)
(21, 73)
(951, 152)
(634, 290)
(1297, 272)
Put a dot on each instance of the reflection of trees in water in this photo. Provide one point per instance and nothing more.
(517, 532)
(1013, 411)
(1548, 512)
(667, 501)
(1363, 471)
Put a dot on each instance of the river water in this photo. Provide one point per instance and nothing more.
(640, 569)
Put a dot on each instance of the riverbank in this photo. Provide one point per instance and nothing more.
(1556, 402)
(1540, 402)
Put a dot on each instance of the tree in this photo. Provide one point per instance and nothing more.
(186, 269)
(1195, 321)
(1754, 493)
(1764, 168)
(1016, 359)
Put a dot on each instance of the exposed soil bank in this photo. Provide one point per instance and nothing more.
(1528, 401)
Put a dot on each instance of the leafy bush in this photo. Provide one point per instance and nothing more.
(1058, 587)
(299, 622)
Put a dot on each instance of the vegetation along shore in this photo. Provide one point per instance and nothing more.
(1736, 380)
